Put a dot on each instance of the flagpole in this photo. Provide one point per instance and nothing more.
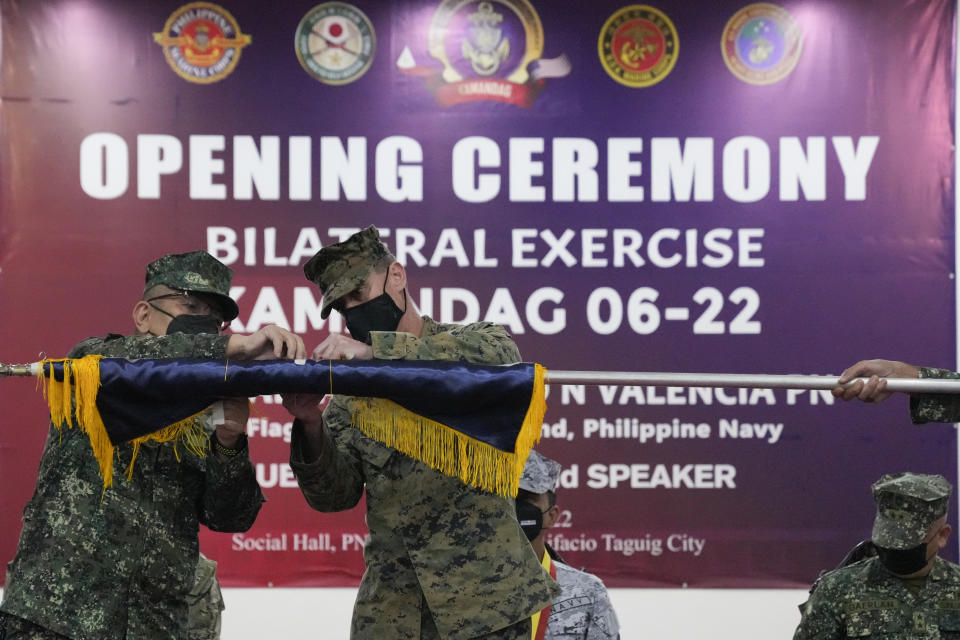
(19, 370)
(664, 379)
(762, 381)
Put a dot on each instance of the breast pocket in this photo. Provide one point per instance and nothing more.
(875, 625)
(373, 453)
(949, 624)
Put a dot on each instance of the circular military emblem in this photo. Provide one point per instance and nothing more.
(488, 39)
(638, 46)
(202, 42)
(761, 43)
(335, 43)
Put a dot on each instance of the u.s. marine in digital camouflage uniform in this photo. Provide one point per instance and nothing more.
(444, 560)
(96, 564)
(904, 593)
(583, 610)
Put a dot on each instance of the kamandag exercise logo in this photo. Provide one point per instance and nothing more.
(487, 50)
(202, 42)
(761, 43)
(335, 43)
(638, 46)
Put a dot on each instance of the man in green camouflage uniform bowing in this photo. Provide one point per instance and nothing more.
(97, 564)
(906, 591)
(444, 560)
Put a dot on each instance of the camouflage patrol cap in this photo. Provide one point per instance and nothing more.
(907, 505)
(540, 474)
(196, 271)
(340, 268)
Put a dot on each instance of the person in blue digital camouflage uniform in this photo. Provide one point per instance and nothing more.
(95, 564)
(583, 610)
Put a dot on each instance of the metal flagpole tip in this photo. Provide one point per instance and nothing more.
(7, 370)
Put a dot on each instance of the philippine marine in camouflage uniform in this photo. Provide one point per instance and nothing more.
(905, 592)
(924, 407)
(97, 564)
(444, 560)
(583, 611)
(935, 407)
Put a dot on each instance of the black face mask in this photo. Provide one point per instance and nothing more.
(194, 324)
(191, 324)
(904, 561)
(530, 518)
(379, 314)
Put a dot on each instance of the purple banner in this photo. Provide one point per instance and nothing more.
(702, 187)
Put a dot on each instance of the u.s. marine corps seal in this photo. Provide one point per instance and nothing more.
(638, 46)
(335, 43)
(202, 41)
(761, 43)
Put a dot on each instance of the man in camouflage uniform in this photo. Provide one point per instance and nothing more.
(906, 591)
(444, 560)
(97, 564)
(583, 610)
(924, 407)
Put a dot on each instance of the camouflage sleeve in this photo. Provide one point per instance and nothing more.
(603, 623)
(935, 407)
(231, 496)
(334, 481)
(481, 342)
(818, 621)
(176, 345)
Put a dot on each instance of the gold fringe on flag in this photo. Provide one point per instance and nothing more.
(73, 402)
(448, 451)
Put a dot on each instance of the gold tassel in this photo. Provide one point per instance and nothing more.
(448, 451)
(78, 390)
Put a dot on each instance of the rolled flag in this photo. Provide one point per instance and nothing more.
(473, 422)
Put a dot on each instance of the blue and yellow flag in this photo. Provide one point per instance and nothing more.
(473, 422)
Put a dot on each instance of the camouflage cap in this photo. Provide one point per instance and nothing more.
(907, 505)
(196, 271)
(340, 268)
(540, 474)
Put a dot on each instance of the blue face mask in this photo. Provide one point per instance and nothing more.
(379, 314)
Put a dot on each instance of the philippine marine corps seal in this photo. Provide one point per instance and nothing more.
(638, 46)
(335, 43)
(761, 43)
(202, 42)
